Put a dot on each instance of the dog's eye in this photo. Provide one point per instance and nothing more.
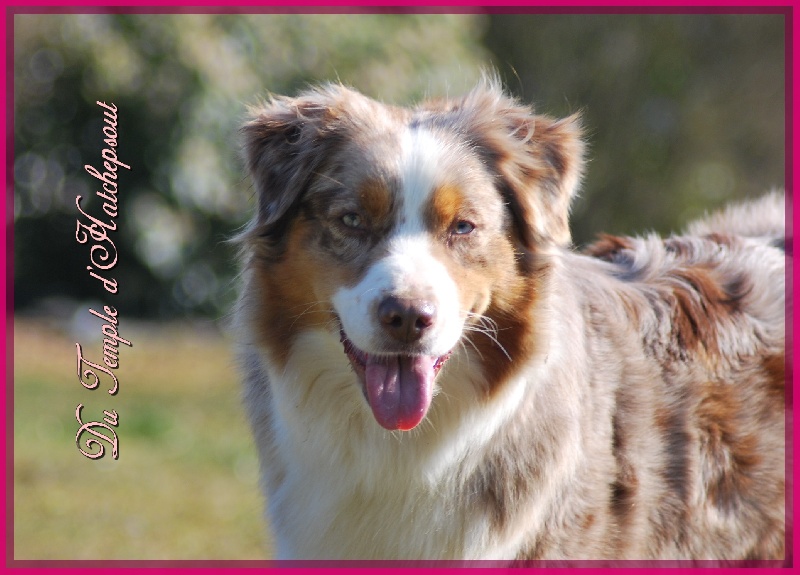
(351, 220)
(463, 228)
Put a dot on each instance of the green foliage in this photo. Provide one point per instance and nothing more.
(682, 112)
(181, 84)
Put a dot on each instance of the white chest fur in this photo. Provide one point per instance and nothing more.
(344, 487)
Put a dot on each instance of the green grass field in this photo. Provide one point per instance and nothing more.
(185, 483)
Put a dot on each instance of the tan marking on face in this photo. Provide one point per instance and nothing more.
(495, 291)
(446, 204)
(296, 290)
(512, 310)
(375, 199)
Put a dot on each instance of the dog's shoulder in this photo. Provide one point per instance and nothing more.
(742, 243)
(722, 279)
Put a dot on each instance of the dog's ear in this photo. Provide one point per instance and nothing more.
(538, 161)
(284, 144)
(545, 180)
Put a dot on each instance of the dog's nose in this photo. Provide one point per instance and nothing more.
(406, 319)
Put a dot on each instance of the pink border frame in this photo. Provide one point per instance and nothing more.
(788, 8)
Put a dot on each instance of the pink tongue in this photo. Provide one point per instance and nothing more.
(399, 389)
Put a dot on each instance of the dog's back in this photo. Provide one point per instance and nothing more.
(698, 420)
(762, 218)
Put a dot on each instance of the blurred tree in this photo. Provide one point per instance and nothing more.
(181, 84)
(683, 112)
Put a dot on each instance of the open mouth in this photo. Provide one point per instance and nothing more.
(399, 388)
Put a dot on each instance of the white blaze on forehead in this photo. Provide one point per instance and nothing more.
(420, 169)
(408, 270)
(407, 267)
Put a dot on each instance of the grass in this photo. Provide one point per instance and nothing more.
(185, 485)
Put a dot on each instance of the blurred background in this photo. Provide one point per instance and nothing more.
(683, 113)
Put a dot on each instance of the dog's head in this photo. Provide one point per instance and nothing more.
(410, 234)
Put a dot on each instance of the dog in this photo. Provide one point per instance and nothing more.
(432, 372)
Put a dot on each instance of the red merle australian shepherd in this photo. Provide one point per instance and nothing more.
(432, 373)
